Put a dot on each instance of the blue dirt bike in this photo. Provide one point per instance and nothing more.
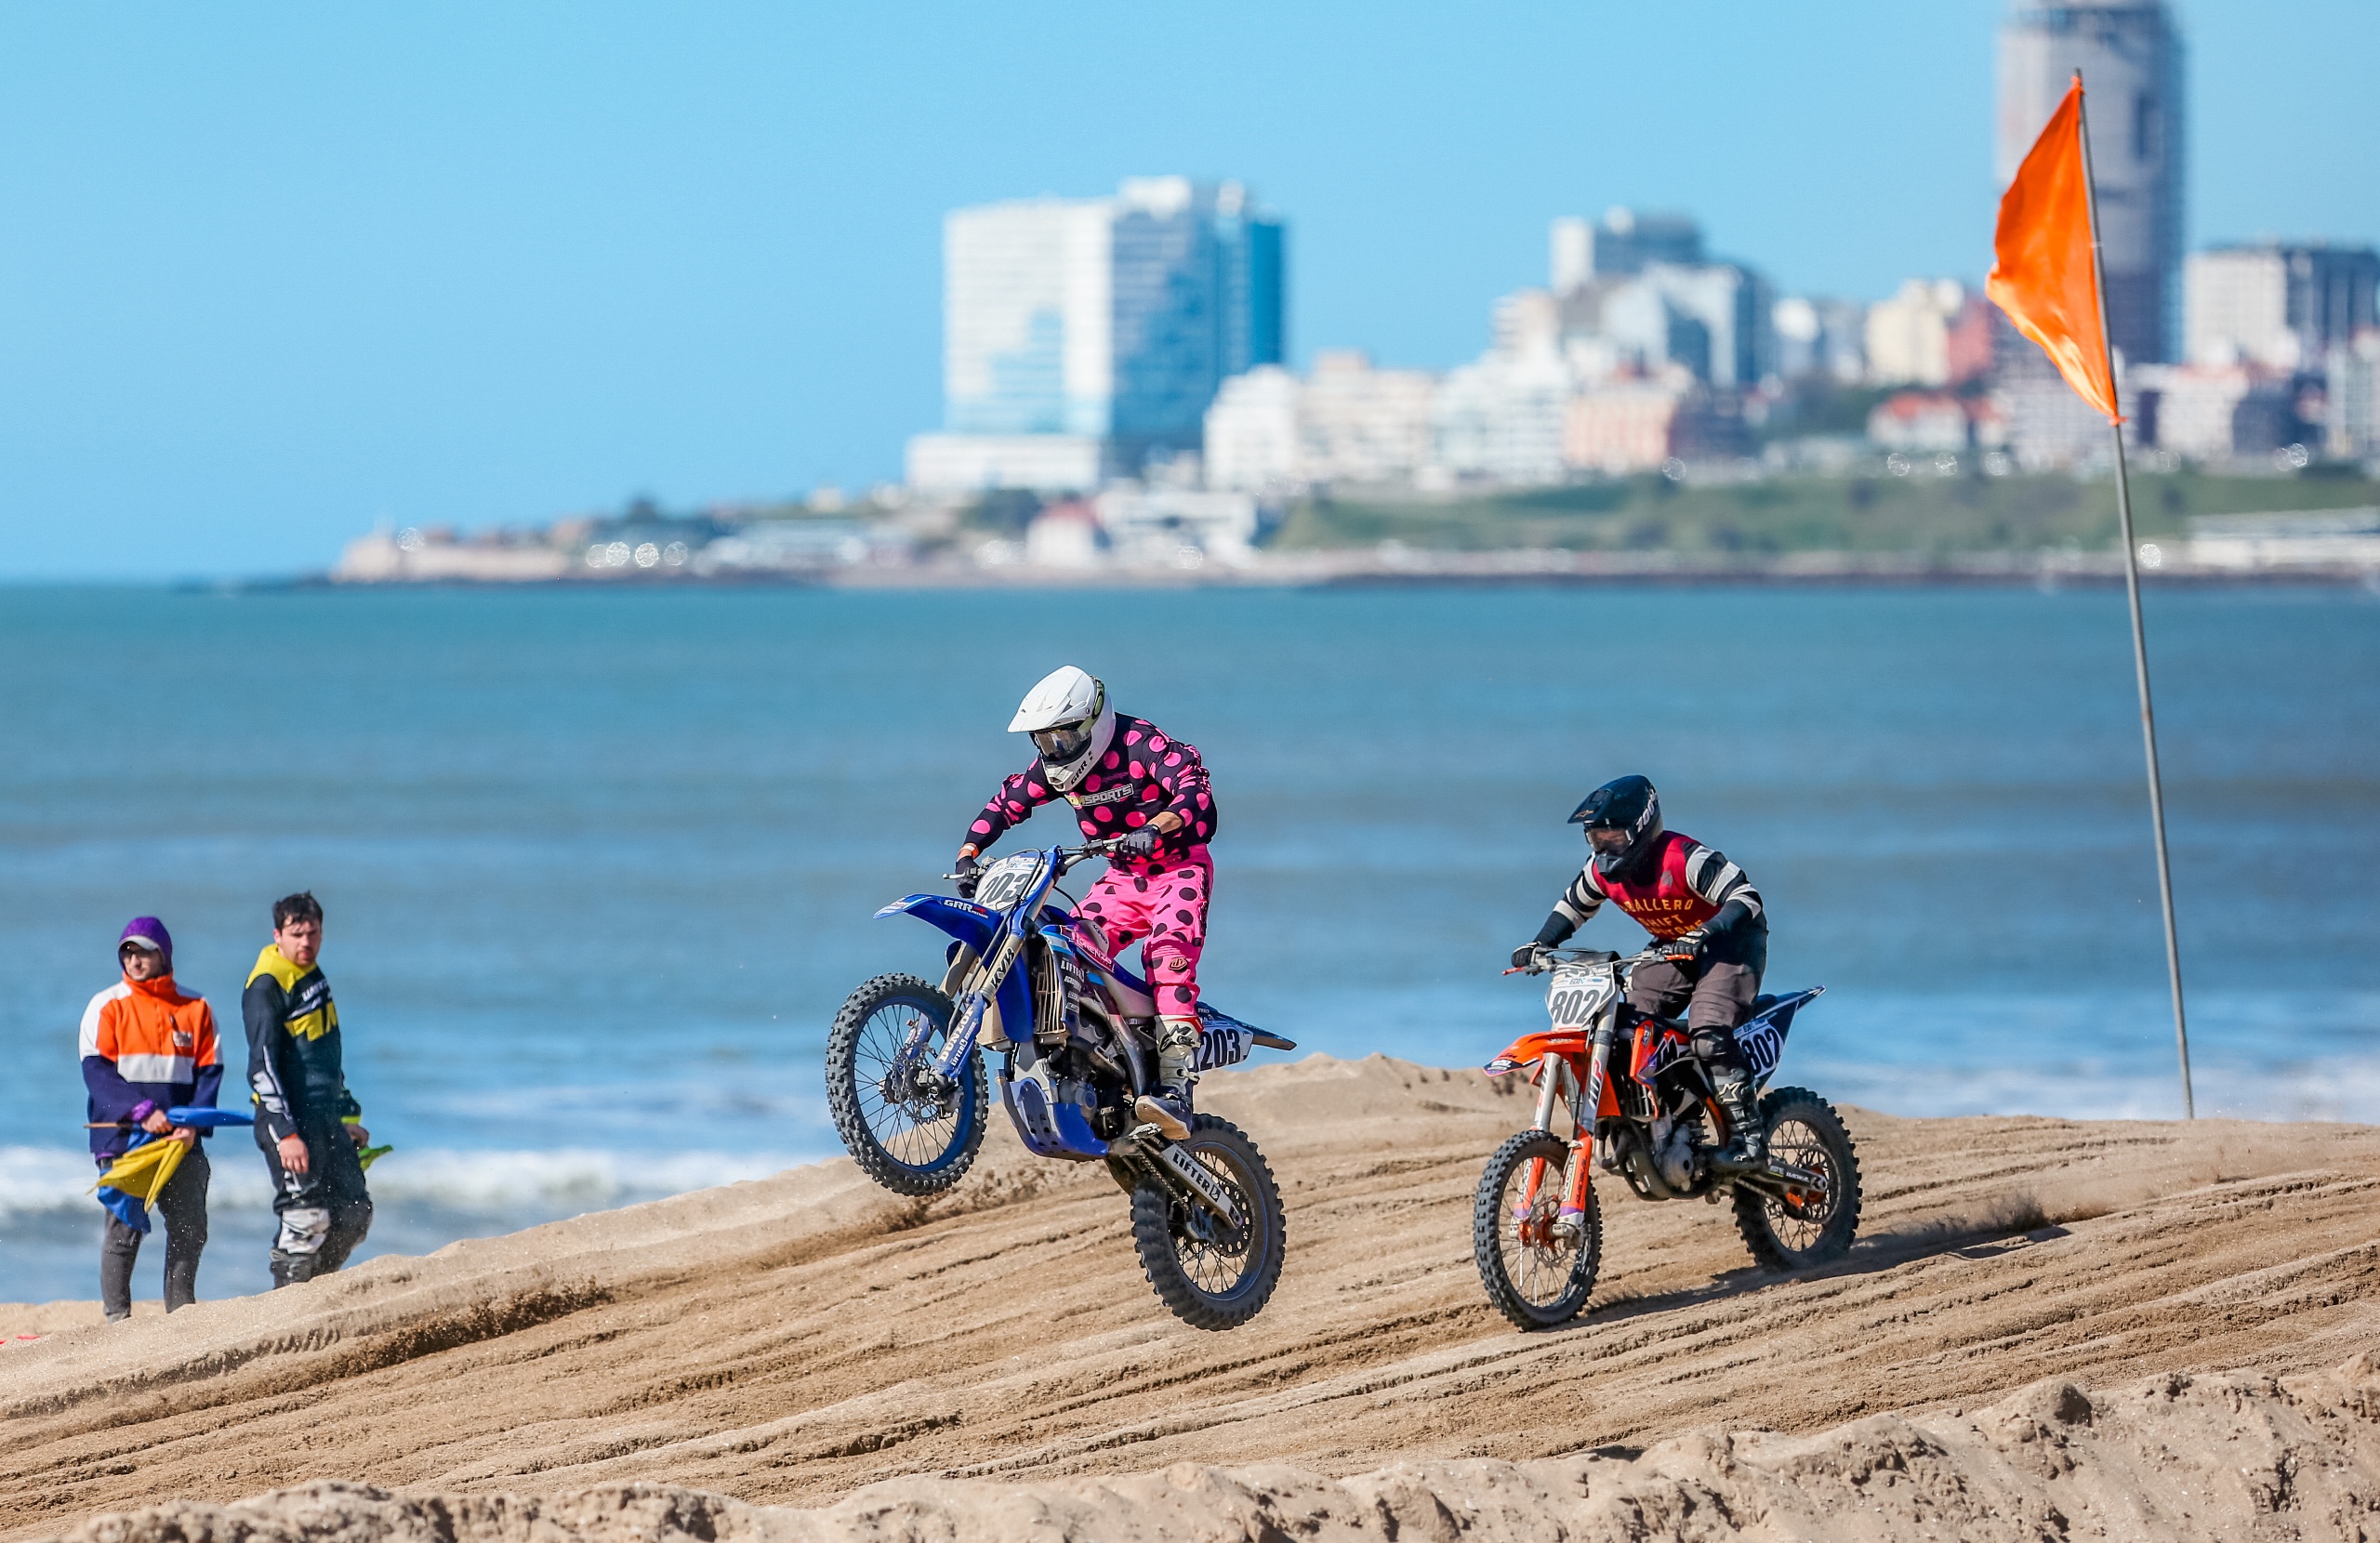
(1038, 985)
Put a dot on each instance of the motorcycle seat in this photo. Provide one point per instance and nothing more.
(1133, 996)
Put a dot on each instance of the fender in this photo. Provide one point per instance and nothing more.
(1530, 1048)
(975, 927)
(1762, 1037)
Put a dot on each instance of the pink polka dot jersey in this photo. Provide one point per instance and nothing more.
(1160, 901)
(1143, 773)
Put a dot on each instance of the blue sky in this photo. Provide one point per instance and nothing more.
(269, 273)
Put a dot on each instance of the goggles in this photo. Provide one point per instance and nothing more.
(1608, 838)
(1063, 742)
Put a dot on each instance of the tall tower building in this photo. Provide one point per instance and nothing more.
(1081, 336)
(2130, 54)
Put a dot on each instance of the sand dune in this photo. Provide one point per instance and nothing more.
(789, 1341)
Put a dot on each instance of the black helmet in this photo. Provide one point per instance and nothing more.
(1626, 812)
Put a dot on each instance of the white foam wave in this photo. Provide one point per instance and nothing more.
(42, 1180)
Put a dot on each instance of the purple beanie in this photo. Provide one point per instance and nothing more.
(150, 930)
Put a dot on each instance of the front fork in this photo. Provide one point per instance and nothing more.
(973, 1003)
(1571, 1218)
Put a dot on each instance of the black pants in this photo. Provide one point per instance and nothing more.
(182, 1205)
(1715, 992)
(324, 1212)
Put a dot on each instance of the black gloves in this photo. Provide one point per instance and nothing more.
(1688, 945)
(968, 871)
(1138, 843)
(1529, 956)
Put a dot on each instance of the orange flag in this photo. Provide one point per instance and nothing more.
(2041, 274)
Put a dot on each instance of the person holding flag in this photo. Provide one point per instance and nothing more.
(147, 1047)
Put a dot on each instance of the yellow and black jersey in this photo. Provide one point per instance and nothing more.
(294, 1058)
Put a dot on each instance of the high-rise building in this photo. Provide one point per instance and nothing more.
(2282, 305)
(1817, 337)
(1108, 323)
(1620, 243)
(2130, 54)
(1714, 318)
(1633, 291)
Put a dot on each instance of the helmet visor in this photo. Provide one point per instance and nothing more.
(1062, 742)
(1608, 840)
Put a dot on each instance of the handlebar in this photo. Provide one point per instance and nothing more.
(1650, 954)
(1067, 856)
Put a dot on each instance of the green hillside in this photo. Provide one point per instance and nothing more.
(1912, 514)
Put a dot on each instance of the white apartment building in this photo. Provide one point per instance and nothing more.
(2195, 406)
(1044, 463)
(1252, 431)
(2281, 305)
(1501, 419)
(1346, 422)
(1358, 424)
(1909, 335)
(2351, 407)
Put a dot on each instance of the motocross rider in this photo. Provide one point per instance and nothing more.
(1125, 778)
(1707, 922)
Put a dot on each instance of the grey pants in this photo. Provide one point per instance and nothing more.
(1716, 995)
(182, 1205)
(324, 1212)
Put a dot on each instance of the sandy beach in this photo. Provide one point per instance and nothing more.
(2050, 1329)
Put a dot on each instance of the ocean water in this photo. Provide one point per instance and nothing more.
(600, 866)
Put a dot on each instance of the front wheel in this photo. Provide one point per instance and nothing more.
(907, 1129)
(1539, 1276)
(1212, 1273)
(1787, 1227)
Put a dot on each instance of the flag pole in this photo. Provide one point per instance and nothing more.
(2139, 635)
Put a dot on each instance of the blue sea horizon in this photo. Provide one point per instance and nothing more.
(598, 867)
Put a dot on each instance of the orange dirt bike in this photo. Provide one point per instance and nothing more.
(1536, 1230)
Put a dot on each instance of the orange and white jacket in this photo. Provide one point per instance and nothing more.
(146, 1045)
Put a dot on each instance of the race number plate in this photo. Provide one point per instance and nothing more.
(1577, 993)
(1005, 882)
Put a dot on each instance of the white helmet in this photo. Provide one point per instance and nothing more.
(1070, 721)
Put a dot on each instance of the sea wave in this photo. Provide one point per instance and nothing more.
(40, 1182)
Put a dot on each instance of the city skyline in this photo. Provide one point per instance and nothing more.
(269, 278)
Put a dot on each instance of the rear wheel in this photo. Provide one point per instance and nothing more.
(1787, 1226)
(1211, 1273)
(1536, 1277)
(907, 1129)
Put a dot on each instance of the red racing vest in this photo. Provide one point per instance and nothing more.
(1662, 902)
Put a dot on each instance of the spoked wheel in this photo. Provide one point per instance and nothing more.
(1787, 1226)
(1536, 1275)
(911, 1131)
(1212, 1274)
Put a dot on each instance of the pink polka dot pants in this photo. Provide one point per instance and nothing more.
(1163, 901)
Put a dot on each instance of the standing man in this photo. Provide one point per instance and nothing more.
(148, 1046)
(308, 1123)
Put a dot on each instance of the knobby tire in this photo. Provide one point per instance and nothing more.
(1490, 1216)
(848, 1095)
(1159, 1217)
(1760, 1214)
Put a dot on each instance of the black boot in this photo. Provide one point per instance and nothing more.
(1747, 1137)
(1168, 1109)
